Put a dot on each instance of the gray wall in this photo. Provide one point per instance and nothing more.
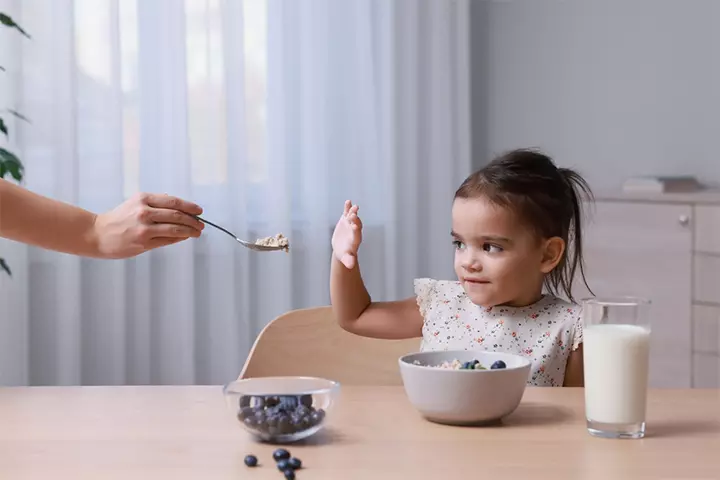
(613, 88)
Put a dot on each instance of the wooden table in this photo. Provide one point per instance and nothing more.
(187, 433)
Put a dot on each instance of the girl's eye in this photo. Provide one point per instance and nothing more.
(458, 244)
(490, 248)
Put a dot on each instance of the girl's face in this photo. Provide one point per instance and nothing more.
(498, 260)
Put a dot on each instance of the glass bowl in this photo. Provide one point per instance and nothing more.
(281, 409)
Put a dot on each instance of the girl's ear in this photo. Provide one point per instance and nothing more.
(553, 250)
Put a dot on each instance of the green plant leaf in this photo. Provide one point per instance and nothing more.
(10, 164)
(4, 266)
(3, 127)
(18, 115)
(9, 22)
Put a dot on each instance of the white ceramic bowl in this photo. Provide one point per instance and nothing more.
(464, 397)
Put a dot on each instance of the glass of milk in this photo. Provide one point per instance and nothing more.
(616, 353)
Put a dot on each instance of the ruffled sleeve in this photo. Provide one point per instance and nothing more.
(426, 294)
(578, 330)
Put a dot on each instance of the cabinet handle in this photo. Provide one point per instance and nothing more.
(684, 220)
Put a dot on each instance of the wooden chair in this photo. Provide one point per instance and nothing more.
(309, 342)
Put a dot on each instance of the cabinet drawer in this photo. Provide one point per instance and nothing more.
(639, 228)
(707, 278)
(707, 228)
(706, 329)
(706, 371)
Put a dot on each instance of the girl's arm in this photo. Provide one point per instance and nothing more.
(352, 306)
(574, 369)
(357, 313)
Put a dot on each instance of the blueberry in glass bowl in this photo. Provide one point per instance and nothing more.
(281, 409)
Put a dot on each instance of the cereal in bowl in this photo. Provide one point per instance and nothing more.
(471, 365)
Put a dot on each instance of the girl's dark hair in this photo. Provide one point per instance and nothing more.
(548, 198)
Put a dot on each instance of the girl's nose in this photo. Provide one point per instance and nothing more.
(472, 264)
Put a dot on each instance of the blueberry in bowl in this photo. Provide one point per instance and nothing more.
(281, 409)
(497, 365)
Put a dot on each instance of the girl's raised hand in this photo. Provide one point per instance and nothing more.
(347, 236)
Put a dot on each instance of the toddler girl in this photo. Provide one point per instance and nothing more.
(516, 228)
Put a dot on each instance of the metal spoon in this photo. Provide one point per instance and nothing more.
(250, 245)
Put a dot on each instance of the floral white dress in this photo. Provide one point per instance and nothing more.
(544, 332)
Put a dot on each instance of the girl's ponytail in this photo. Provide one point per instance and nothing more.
(578, 191)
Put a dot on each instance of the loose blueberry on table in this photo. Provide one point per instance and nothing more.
(285, 463)
(281, 454)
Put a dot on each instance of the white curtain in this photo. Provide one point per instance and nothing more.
(269, 114)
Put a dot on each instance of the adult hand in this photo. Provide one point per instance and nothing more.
(144, 222)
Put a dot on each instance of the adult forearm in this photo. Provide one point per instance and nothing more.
(37, 220)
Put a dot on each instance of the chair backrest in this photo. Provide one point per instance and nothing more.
(309, 342)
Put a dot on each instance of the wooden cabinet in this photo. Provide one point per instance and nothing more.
(706, 297)
(667, 249)
(646, 250)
